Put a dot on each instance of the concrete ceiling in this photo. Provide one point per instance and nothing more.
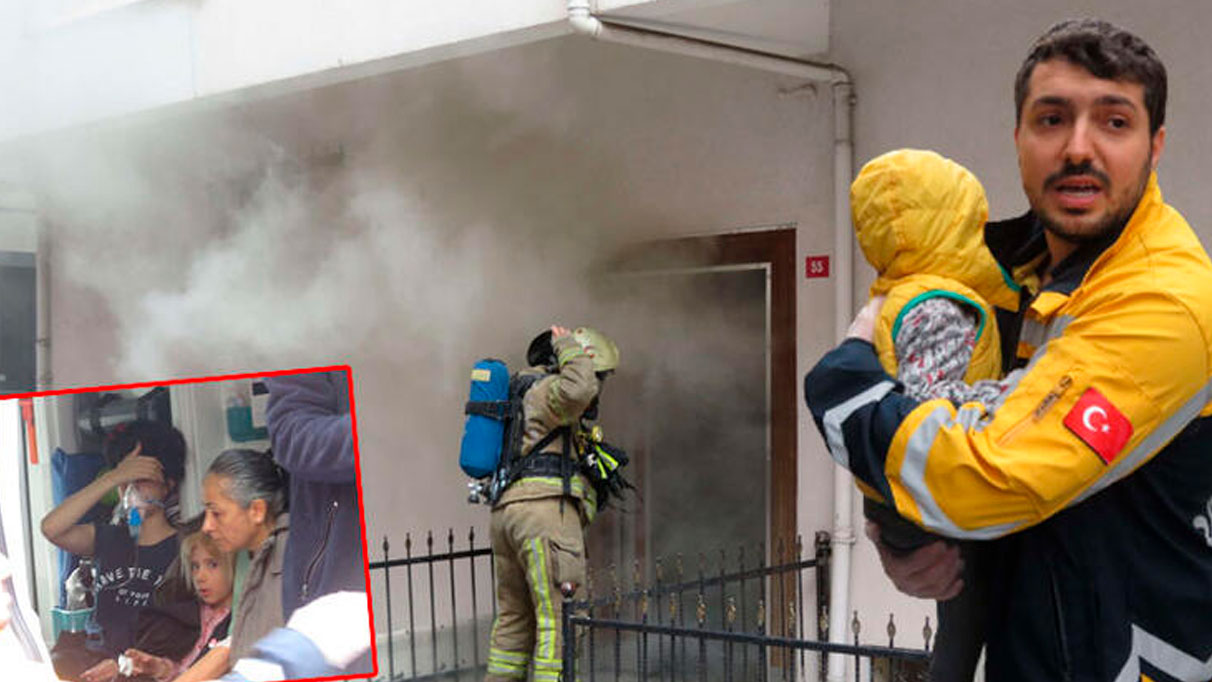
(794, 28)
(797, 28)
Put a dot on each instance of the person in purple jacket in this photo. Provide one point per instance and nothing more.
(311, 434)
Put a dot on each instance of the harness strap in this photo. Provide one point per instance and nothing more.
(533, 462)
(493, 409)
(545, 464)
(536, 463)
(546, 440)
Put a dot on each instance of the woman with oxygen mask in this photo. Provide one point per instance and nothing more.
(131, 554)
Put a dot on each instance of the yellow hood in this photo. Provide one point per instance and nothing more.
(916, 212)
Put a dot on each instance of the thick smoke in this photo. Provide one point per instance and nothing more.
(409, 229)
(221, 242)
(221, 249)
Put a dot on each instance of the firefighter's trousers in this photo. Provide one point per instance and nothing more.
(537, 545)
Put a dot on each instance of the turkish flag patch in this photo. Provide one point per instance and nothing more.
(1096, 421)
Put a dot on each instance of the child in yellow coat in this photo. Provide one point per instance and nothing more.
(920, 219)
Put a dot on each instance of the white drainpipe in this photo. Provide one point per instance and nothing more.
(581, 18)
(843, 309)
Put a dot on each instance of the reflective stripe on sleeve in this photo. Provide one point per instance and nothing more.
(555, 401)
(838, 414)
(912, 473)
(1035, 334)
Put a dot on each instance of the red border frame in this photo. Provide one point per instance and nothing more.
(353, 418)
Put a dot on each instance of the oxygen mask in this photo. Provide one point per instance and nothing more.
(134, 506)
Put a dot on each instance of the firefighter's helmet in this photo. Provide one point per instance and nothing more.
(601, 349)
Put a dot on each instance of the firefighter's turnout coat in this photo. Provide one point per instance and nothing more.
(1093, 478)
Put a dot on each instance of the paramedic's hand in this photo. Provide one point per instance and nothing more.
(932, 572)
(863, 326)
(557, 331)
(135, 466)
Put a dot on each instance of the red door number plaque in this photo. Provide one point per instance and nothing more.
(816, 266)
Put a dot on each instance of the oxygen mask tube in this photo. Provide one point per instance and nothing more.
(131, 507)
(133, 502)
(134, 519)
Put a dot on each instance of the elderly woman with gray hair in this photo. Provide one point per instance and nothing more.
(245, 496)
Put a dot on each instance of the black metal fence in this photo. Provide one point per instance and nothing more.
(744, 622)
(743, 619)
(658, 630)
(436, 583)
(775, 656)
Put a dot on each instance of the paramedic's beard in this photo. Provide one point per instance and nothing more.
(1111, 224)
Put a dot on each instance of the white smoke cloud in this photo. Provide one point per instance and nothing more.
(407, 229)
(219, 250)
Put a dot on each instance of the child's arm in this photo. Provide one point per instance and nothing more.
(933, 349)
(212, 666)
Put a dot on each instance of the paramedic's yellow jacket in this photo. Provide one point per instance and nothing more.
(1099, 461)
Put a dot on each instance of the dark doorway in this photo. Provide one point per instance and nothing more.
(17, 322)
(705, 403)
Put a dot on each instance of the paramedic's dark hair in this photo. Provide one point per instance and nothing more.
(1106, 51)
(252, 475)
(160, 440)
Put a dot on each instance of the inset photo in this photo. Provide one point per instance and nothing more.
(186, 530)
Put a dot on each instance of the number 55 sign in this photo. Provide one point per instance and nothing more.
(816, 266)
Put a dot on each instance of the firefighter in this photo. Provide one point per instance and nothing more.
(538, 523)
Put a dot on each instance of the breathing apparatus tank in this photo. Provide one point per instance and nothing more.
(486, 410)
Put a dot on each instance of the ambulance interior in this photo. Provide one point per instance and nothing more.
(51, 447)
